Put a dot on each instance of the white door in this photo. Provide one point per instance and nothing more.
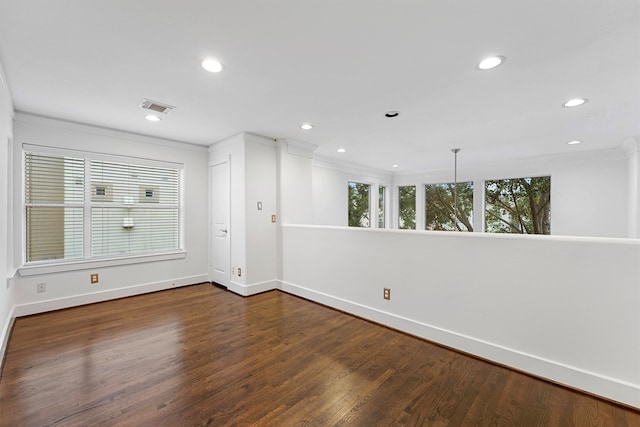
(219, 267)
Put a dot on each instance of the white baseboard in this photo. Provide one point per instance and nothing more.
(253, 288)
(590, 382)
(109, 294)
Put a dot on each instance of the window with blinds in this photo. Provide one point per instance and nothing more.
(79, 207)
(54, 207)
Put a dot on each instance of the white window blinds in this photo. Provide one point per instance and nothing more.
(79, 207)
(134, 209)
(54, 207)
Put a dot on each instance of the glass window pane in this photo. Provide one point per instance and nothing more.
(359, 206)
(54, 196)
(439, 206)
(138, 209)
(53, 179)
(407, 207)
(53, 232)
(518, 205)
(121, 231)
(120, 183)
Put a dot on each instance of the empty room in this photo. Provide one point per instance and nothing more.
(360, 213)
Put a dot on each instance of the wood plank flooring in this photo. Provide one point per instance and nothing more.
(202, 356)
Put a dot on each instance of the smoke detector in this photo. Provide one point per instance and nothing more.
(158, 107)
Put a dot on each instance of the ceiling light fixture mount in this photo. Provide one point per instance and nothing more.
(395, 166)
(212, 65)
(391, 114)
(575, 102)
(341, 150)
(574, 142)
(306, 126)
(152, 118)
(491, 62)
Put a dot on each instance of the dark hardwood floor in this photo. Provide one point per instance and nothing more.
(202, 356)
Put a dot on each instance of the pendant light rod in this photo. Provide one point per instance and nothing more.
(455, 152)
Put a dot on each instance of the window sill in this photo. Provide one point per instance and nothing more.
(35, 270)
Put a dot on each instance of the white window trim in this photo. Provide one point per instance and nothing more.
(34, 269)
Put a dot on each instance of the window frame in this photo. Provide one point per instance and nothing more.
(369, 202)
(473, 205)
(88, 261)
(530, 177)
(415, 206)
(382, 206)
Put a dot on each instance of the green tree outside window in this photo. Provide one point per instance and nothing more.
(407, 207)
(440, 213)
(518, 205)
(359, 207)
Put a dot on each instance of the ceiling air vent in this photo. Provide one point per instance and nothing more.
(158, 107)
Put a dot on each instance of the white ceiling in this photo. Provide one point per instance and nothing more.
(339, 65)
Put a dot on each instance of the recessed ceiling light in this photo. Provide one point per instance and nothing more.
(152, 118)
(392, 114)
(574, 142)
(394, 166)
(575, 102)
(306, 126)
(491, 62)
(212, 65)
(341, 150)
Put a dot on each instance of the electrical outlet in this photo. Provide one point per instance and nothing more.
(386, 294)
(273, 219)
(41, 287)
(239, 272)
(94, 278)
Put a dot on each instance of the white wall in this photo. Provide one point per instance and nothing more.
(330, 192)
(253, 177)
(6, 182)
(262, 256)
(73, 287)
(295, 182)
(564, 308)
(589, 198)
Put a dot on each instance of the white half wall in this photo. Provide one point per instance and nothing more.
(562, 308)
(72, 287)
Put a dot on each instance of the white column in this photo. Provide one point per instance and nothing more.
(420, 207)
(632, 146)
(478, 205)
